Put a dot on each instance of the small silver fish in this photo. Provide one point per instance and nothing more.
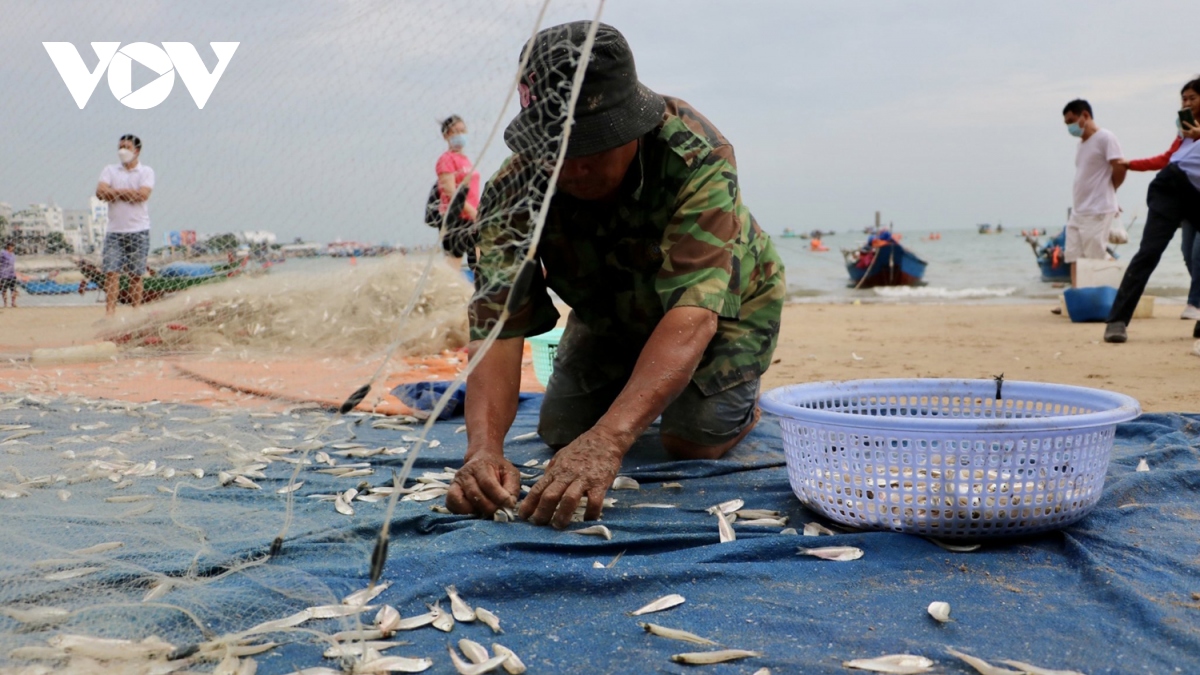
(290, 488)
(36, 616)
(672, 486)
(706, 658)
(1029, 669)
(665, 602)
(983, 667)
(359, 648)
(243, 482)
(443, 621)
(488, 619)
(764, 522)
(513, 664)
(752, 514)
(595, 531)
(838, 553)
(126, 499)
(71, 573)
(465, 668)
(474, 651)
(675, 634)
(98, 548)
(342, 506)
(386, 664)
(625, 483)
(940, 611)
(458, 607)
(1143, 465)
(362, 597)
(816, 530)
(724, 528)
(896, 664)
(387, 619)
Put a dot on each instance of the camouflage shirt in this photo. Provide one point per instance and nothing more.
(677, 235)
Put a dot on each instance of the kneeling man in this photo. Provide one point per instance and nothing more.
(675, 292)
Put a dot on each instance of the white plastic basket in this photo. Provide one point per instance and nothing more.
(945, 458)
(545, 348)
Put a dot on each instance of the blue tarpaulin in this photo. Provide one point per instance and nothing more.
(1118, 592)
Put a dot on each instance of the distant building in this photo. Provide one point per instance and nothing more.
(259, 237)
(31, 227)
(77, 228)
(5, 213)
(99, 209)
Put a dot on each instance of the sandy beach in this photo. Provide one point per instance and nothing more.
(818, 342)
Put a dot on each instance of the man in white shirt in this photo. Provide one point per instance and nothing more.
(1099, 171)
(126, 187)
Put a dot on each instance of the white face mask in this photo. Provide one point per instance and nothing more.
(125, 154)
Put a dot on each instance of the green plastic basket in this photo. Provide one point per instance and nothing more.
(545, 348)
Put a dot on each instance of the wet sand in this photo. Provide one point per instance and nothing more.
(818, 342)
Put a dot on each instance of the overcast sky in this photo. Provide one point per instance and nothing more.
(941, 114)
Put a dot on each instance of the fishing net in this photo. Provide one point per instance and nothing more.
(147, 534)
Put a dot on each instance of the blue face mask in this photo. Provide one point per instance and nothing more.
(1074, 129)
(458, 141)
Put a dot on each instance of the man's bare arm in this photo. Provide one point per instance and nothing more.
(487, 480)
(663, 371)
(589, 464)
(1120, 168)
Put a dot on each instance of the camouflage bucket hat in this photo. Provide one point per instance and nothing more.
(613, 107)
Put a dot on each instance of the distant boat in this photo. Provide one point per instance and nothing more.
(170, 279)
(883, 262)
(1050, 256)
(984, 228)
(52, 287)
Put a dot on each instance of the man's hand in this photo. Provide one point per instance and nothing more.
(588, 467)
(483, 485)
(1191, 131)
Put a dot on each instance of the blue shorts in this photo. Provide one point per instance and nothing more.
(126, 252)
(589, 374)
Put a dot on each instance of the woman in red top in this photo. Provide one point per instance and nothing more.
(1191, 242)
(453, 167)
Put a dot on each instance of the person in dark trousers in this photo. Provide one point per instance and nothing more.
(1190, 98)
(1173, 197)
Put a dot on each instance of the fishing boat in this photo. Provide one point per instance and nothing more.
(54, 287)
(883, 262)
(166, 280)
(54, 282)
(1050, 256)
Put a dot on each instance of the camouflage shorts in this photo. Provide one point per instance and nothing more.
(589, 374)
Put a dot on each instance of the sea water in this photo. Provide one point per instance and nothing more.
(964, 267)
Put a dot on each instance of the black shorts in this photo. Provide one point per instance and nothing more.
(589, 374)
(8, 284)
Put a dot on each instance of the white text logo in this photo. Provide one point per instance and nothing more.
(172, 57)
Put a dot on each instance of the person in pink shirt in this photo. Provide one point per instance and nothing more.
(453, 168)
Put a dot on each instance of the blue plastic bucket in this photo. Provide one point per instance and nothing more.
(1089, 304)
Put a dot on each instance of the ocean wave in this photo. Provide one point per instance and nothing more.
(939, 293)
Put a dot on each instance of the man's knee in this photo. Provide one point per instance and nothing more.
(679, 448)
